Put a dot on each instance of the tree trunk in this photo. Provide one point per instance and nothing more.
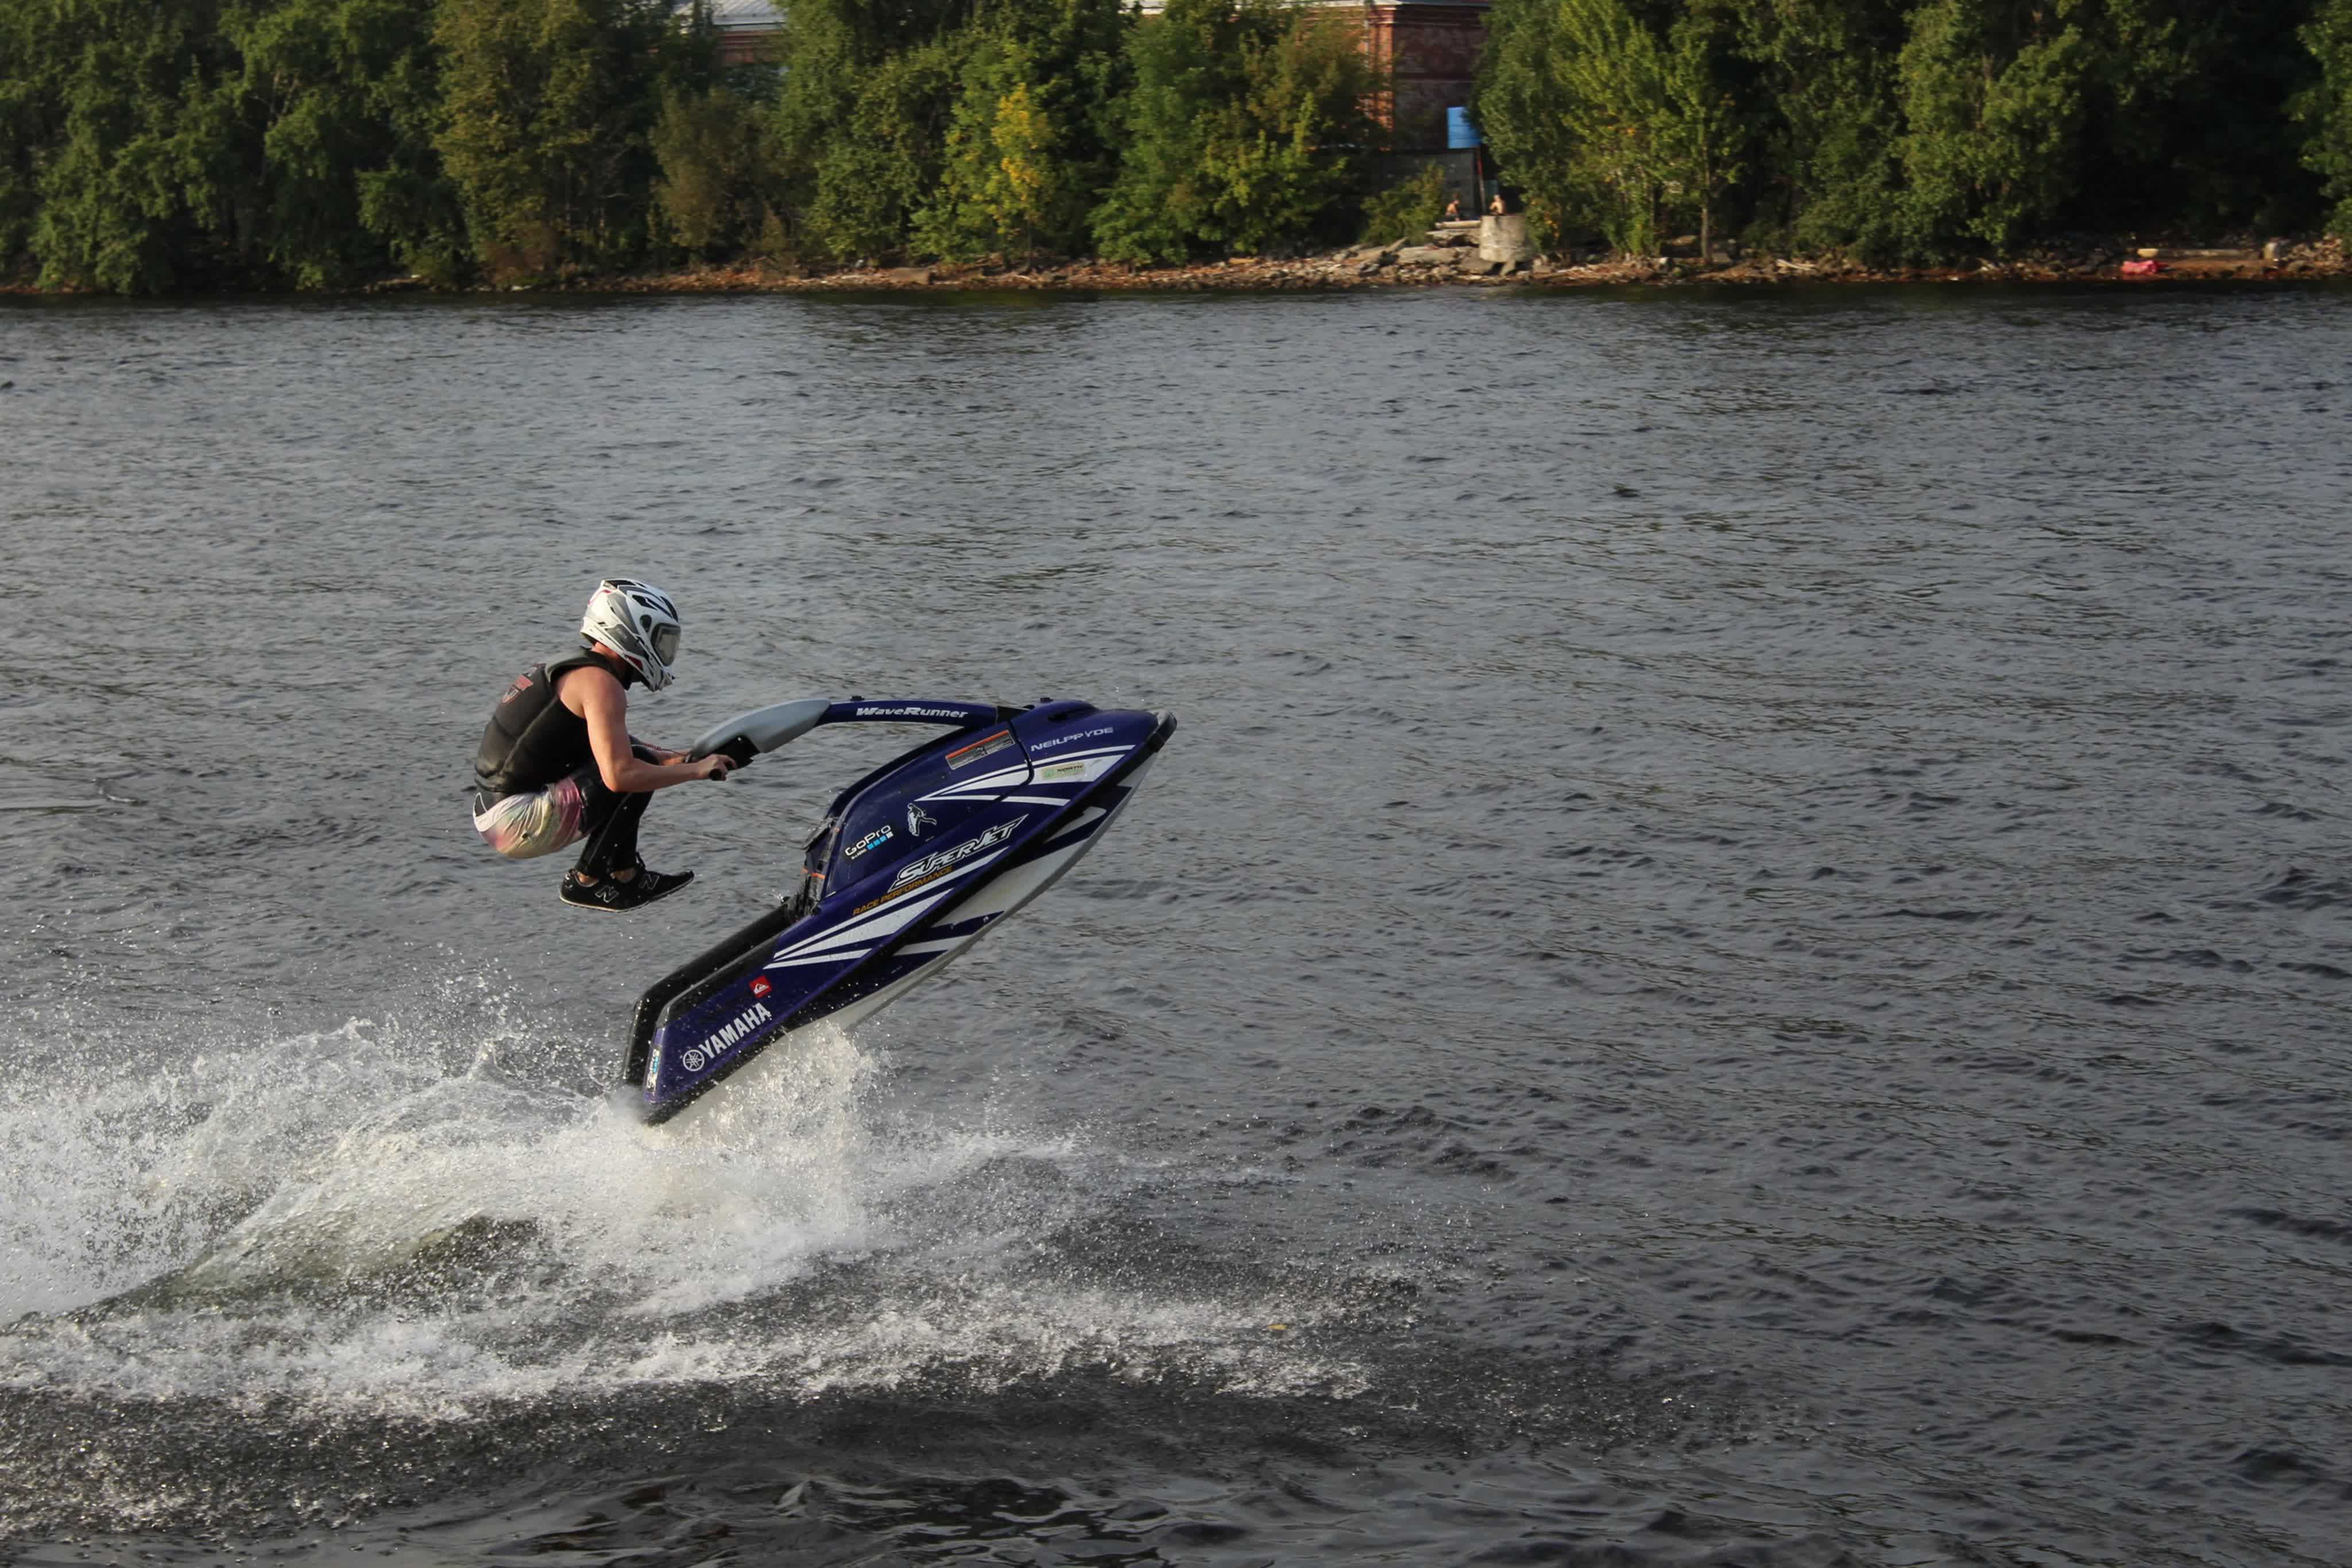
(1706, 206)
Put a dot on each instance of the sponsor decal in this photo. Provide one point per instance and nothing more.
(760, 986)
(918, 820)
(878, 837)
(908, 710)
(1061, 740)
(731, 1034)
(987, 745)
(1061, 772)
(948, 858)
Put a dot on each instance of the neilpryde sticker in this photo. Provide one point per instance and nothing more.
(1062, 740)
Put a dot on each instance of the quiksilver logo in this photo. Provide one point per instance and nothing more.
(730, 1035)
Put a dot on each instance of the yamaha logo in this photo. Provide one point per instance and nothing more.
(730, 1035)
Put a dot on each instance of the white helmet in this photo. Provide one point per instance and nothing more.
(637, 621)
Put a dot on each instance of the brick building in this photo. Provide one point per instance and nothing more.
(748, 29)
(1431, 53)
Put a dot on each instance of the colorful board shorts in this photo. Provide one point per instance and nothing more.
(538, 821)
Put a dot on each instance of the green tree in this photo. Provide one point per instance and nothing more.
(951, 128)
(1608, 124)
(1825, 123)
(1245, 128)
(1000, 186)
(30, 114)
(132, 186)
(1703, 130)
(2190, 123)
(721, 191)
(341, 100)
(1414, 202)
(1995, 94)
(868, 93)
(887, 164)
(1520, 103)
(550, 108)
(2325, 109)
(1027, 140)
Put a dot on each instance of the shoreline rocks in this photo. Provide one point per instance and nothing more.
(1476, 254)
(1466, 254)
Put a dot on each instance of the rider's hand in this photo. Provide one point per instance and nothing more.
(717, 766)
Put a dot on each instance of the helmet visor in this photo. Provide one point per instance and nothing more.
(665, 643)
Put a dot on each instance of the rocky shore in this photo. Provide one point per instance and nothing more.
(1454, 255)
(1465, 254)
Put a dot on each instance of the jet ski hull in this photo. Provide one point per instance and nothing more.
(915, 862)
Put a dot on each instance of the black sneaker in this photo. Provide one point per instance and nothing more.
(612, 895)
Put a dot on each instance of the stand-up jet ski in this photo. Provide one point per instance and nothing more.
(911, 864)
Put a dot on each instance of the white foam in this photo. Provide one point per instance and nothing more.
(374, 1217)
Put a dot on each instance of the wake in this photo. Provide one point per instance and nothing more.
(380, 1219)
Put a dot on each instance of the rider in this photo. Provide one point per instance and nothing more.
(558, 763)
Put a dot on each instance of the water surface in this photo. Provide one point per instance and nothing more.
(1742, 956)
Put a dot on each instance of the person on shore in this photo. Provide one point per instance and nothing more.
(1453, 209)
(557, 762)
(1495, 206)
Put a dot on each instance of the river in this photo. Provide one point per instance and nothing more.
(1744, 955)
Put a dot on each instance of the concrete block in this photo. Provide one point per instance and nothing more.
(1503, 240)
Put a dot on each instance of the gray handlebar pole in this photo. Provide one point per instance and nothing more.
(763, 729)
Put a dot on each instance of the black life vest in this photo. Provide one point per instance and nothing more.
(532, 740)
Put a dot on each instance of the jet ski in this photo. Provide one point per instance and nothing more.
(911, 866)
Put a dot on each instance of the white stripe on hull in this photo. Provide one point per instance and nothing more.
(1008, 894)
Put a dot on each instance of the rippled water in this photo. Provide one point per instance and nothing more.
(1743, 955)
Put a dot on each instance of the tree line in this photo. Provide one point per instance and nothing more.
(153, 144)
(1923, 129)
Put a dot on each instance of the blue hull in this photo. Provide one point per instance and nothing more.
(914, 862)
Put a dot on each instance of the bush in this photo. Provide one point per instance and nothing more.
(137, 179)
(346, 98)
(1245, 129)
(551, 106)
(1610, 123)
(720, 191)
(1994, 97)
(1414, 202)
(2327, 109)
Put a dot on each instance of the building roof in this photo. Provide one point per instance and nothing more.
(746, 15)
